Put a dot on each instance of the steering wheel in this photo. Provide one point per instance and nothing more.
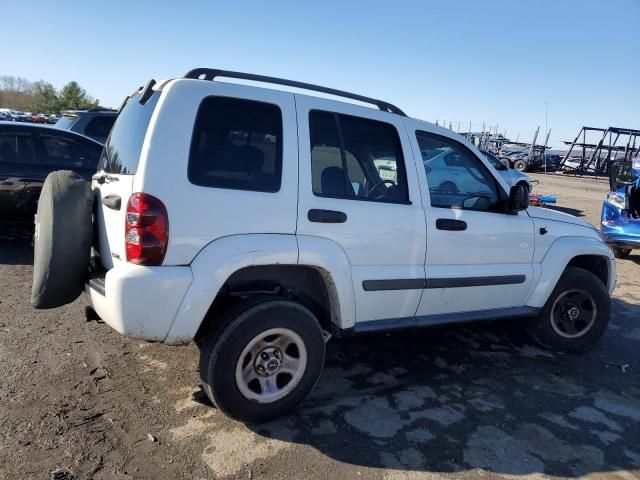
(378, 185)
(447, 187)
(477, 197)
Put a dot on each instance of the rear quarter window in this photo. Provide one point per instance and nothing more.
(237, 144)
(121, 153)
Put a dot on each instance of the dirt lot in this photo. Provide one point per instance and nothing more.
(459, 402)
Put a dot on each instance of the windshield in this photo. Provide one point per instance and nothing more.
(121, 152)
(494, 161)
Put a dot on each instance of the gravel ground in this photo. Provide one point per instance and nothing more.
(475, 401)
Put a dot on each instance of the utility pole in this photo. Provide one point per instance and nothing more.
(544, 151)
(546, 117)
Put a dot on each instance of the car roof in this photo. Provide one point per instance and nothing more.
(99, 111)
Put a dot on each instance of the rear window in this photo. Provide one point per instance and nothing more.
(16, 149)
(237, 144)
(64, 153)
(121, 153)
(100, 126)
(66, 122)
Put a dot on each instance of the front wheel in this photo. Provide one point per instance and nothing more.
(263, 361)
(621, 252)
(575, 315)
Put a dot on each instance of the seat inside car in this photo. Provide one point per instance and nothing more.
(332, 182)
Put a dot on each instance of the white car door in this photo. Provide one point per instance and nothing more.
(358, 189)
(478, 257)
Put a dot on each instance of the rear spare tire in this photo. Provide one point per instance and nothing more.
(62, 240)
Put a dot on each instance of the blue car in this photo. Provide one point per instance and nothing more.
(620, 222)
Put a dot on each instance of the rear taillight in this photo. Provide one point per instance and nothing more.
(146, 230)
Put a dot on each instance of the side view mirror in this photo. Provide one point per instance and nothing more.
(613, 171)
(518, 199)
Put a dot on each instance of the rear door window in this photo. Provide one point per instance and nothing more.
(17, 149)
(121, 153)
(356, 158)
(64, 153)
(237, 144)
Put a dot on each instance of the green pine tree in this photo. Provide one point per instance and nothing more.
(74, 97)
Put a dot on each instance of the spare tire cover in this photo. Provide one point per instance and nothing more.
(62, 241)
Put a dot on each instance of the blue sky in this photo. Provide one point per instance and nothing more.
(481, 61)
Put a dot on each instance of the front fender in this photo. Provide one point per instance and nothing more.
(558, 257)
(215, 264)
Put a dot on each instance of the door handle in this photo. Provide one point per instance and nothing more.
(112, 201)
(450, 224)
(326, 216)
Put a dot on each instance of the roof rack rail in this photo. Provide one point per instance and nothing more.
(211, 74)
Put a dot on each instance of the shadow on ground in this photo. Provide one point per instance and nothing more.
(15, 248)
(458, 398)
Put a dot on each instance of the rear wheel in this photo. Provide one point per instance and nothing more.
(575, 315)
(263, 360)
(520, 165)
(621, 252)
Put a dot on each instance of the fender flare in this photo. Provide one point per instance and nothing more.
(331, 261)
(223, 257)
(555, 261)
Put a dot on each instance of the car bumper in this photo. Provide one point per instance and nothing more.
(139, 302)
(622, 240)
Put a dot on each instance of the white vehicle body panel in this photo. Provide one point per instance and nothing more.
(381, 240)
(215, 264)
(494, 244)
(332, 262)
(111, 223)
(216, 232)
(558, 257)
(199, 215)
(141, 302)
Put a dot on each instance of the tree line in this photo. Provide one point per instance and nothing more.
(21, 94)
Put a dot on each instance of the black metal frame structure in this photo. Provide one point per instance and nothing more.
(599, 157)
(211, 74)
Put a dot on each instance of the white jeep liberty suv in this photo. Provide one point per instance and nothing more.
(255, 222)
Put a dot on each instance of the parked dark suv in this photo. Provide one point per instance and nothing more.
(94, 123)
(28, 153)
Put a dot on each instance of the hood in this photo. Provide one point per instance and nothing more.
(513, 176)
(556, 216)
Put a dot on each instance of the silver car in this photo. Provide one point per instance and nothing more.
(511, 175)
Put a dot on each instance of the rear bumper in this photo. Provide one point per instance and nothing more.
(619, 237)
(139, 302)
(623, 241)
(618, 228)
